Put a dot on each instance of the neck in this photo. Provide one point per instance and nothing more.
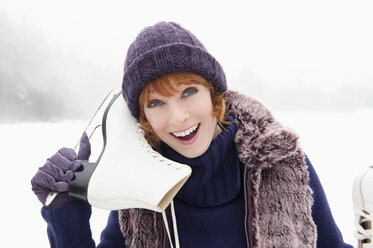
(217, 131)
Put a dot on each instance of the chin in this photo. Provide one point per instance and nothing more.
(193, 154)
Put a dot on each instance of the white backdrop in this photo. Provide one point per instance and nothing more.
(309, 62)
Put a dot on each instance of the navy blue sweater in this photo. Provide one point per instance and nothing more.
(209, 208)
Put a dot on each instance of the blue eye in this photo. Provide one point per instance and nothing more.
(189, 91)
(154, 103)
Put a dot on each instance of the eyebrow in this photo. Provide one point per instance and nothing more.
(186, 85)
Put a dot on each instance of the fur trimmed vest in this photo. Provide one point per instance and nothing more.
(278, 196)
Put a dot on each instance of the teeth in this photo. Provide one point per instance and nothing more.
(186, 132)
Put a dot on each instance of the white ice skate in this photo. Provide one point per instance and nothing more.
(127, 172)
(362, 194)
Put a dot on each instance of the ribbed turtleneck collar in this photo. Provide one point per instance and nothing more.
(215, 178)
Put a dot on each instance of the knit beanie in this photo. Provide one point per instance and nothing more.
(163, 48)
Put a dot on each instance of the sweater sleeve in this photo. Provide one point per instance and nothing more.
(68, 227)
(328, 234)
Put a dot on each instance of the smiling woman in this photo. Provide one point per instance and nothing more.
(251, 184)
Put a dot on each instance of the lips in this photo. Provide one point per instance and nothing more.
(188, 135)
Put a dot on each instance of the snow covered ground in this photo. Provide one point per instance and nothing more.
(338, 144)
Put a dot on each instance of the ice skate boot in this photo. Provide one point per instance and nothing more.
(127, 172)
(362, 194)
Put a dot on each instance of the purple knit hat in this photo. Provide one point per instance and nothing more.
(163, 48)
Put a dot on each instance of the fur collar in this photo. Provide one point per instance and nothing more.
(279, 196)
(260, 137)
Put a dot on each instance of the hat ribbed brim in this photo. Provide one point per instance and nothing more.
(166, 59)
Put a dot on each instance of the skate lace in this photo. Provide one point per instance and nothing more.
(174, 224)
(155, 154)
(362, 233)
(149, 149)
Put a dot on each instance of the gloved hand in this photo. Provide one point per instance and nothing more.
(58, 171)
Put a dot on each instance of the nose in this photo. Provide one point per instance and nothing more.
(178, 114)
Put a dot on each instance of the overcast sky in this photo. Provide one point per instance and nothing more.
(288, 54)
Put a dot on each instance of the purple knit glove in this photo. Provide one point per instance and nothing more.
(58, 171)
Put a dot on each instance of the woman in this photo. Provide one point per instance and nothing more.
(251, 185)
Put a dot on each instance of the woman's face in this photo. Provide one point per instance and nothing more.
(183, 121)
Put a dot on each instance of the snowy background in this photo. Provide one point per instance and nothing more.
(310, 62)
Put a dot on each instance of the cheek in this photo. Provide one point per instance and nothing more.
(157, 126)
(155, 121)
(202, 106)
